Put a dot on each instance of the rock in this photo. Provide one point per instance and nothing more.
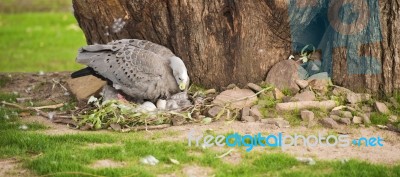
(313, 66)
(256, 88)
(214, 111)
(357, 120)
(366, 108)
(365, 119)
(231, 86)
(279, 122)
(115, 127)
(308, 161)
(341, 91)
(382, 108)
(149, 160)
(84, 87)
(284, 74)
(305, 96)
(245, 111)
(290, 106)
(237, 98)
(355, 98)
(307, 116)
(286, 99)
(329, 123)
(278, 95)
(302, 83)
(255, 112)
(394, 103)
(346, 114)
(319, 85)
(346, 121)
(248, 119)
(335, 117)
(393, 119)
(210, 91)
(319, 76)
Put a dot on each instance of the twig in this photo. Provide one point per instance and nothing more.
(225, 154)
(37, 109)
(138, 128)
(49, 106)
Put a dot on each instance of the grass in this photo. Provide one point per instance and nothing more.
(60, 155)
(33, 42)
(379, 119)
(18, 6)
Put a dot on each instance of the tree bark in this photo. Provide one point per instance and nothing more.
(229, 41)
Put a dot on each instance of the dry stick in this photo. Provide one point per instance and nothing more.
(37, 109)
(49, 106)
(138, 128)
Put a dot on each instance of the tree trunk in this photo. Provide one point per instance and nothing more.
(229, 41)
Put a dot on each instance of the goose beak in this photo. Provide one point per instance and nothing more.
(182, 86)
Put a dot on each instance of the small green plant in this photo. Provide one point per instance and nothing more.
(287, 92)
(379, 119)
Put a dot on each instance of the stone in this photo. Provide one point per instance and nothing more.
(319, 85)
(304, 96)
(231, 86)
(248, 119)
(335, 117)
(286, 99)
(279, 122)
(357, 120)
(319, 76)
(365, 119)
(394, 103)
(393, 119)
(290, 106)
(236, 98)
(329, 123)
(366, 108)
(84, 87)
(210, 91)
(255, 112)
(278, 95)
(284, 74)
(256, 88)
(381, 107)
(345, 121)
(245, 112)
(313, 67)
(346, 114)
(302, 83)
(308, 161)
(307, 115)
(355, 98)
(213, 112)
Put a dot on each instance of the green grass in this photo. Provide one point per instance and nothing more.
(33, 42)
(18, 6)
(379, 119)
(62, 155)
